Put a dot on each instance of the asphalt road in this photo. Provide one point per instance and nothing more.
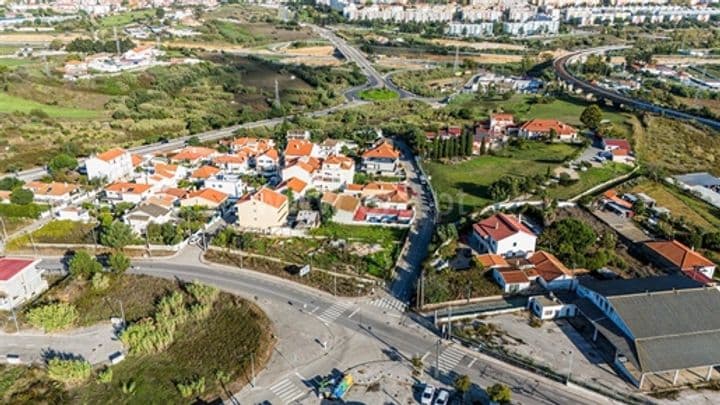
(560, 63)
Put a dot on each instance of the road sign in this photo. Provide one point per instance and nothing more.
(304, 270)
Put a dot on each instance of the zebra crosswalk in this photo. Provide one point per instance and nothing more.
(286, 390)
(450, 358)
(389, 303)
(334, 312)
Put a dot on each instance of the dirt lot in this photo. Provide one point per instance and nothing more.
(478, 45)
(326, 50)
(35, 38)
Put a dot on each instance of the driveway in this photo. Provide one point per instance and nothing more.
(94, 344)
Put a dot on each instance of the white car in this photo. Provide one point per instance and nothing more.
(427, 395)
(442, 398)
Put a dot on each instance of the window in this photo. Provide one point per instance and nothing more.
(514, 244)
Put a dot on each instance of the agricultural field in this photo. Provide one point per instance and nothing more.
(222, 341)
(676, 147)
(463, 188)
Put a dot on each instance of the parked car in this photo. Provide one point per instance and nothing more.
(442, 398)
(427, 395)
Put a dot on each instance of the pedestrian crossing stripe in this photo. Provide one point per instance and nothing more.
(334, 312)
(286, 391)
(450, 358)
(390, 303)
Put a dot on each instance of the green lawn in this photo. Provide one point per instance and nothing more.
(125, 18)
(463, 187)
(379, 95)
(589, 179)
(9, 104)
(13, 62)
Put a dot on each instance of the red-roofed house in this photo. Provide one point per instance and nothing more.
(383, 159)
(618, 150)
(504, 235)
(128, 192)
(552, 273)
(674, 256)
(539, 128)
(232, 163)
(207, 198)
(20, 280)
(193, 154)
(449, 132)
(265, 209)
(111, 165)
(336, 172)
(297, 186)
(268, 161)
(383, 215)
(301, 169)
(511, 280)
(301, 148)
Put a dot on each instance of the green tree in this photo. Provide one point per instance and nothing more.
(469, 143)
(591, 116)
(462, 384)
(160, 12)
(62, 162)
(21, 196)
(570, 240)
(193, 141)
(117, 235)
(10, 183)
(499, 393)
(119, 262)
(69, 371)
(83, 265)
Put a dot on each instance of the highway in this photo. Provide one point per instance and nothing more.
(560, 66)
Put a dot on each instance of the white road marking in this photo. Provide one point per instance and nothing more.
(450, 358)
(286, 391)
(424, 356)
(334, 312)
(471, 363)
(389, 303)
(354, 312)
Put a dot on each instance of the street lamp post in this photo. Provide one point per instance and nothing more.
(570, 363)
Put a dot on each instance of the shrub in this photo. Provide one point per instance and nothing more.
(202, 293)
(62, 162)
(119, 262)
(129, 386)
(105, 375)
(499, 393)
(100, 281)
(53, 317)
(117, 235)
(22, 211)
(69, 371)
(21, 196)
(190, 387)
(83, 265)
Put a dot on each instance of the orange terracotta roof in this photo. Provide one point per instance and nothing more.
(136, 160)
(230, 159)
(500, 226)
(165, 170)
(548, 266)
(383, 151)
(354, 187)
(514, 276)
(272, 153)
(5, 195)
(267, 196)
(544, 126)
(490, 260)
(111, 154)
(205, 172)
(175, 192)
(295, 184)
(379, 186)
(502, 117)
(208, 194)
(193, 153)
(680, 255)
(163, 200)
(346, 202)
(51, 189)
(128, 188)
(298, 147)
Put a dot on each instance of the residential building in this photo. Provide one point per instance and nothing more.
(162, 175)
(490, 261)
(504, 235)
(262, 210)
(204, 172)
(336, 172)
(398, 199)
(345, 206)
(674, 256)
(206, 198)
(20, 281)
(548, 307)
(297, 135)
(462, 29)
(230, 184)
(330, 147)
(307, 219)
(617, 150)
(127, 192)
(238, 163)
(303, 169)
(193, 155)
(54, 192)
(72, 214)
(251, 146)
(297, 186)
(110, 165)
(382, 159)
(511, 281)
(383, 215)
(546, 128)
(552, 273)
(536, 25)
(298, 148)
(268, 161)
(145, 214)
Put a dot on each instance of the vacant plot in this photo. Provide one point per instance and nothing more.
(10, 104)
(223, 342)
(676, 146)
(478, 45)
(431, 83)
(120, 19)
(681, 205)
(589, 179)
(463, 187)
(56, 232)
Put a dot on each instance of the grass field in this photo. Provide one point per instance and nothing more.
(125, 18)
(9, 104)
(463, 188)
(221, 342)
(589, 179)
(56, 232)
(676, 146)
(379, 95)
(13, 62)
(681, 205)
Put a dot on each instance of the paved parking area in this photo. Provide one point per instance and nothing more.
(557, 345)
(622, 225)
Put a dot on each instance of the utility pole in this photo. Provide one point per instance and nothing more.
(457, 57)
(252, 368)
(277, 93)
(117, 41)
(122, 313)
(32, 241)
(335, 284)
(570, 362)
(437, 358)
(4, 230)
(450, 323)
(14, 315)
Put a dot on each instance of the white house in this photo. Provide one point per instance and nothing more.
(511, 280)
(127, 192)
(675, 256)
(547, 308)
(20, 280)
(264, 209)
(54, 192)
(111, 165)
(336, 172)
(73, 214)
(145, 214)
(207, 198)
(268, 161)
(303, 169)
(297, 148)
(552, 273)
(232, 163)
(504, 235)
(230, 184)
(383, 159)
(542, 128)
(297, 135)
